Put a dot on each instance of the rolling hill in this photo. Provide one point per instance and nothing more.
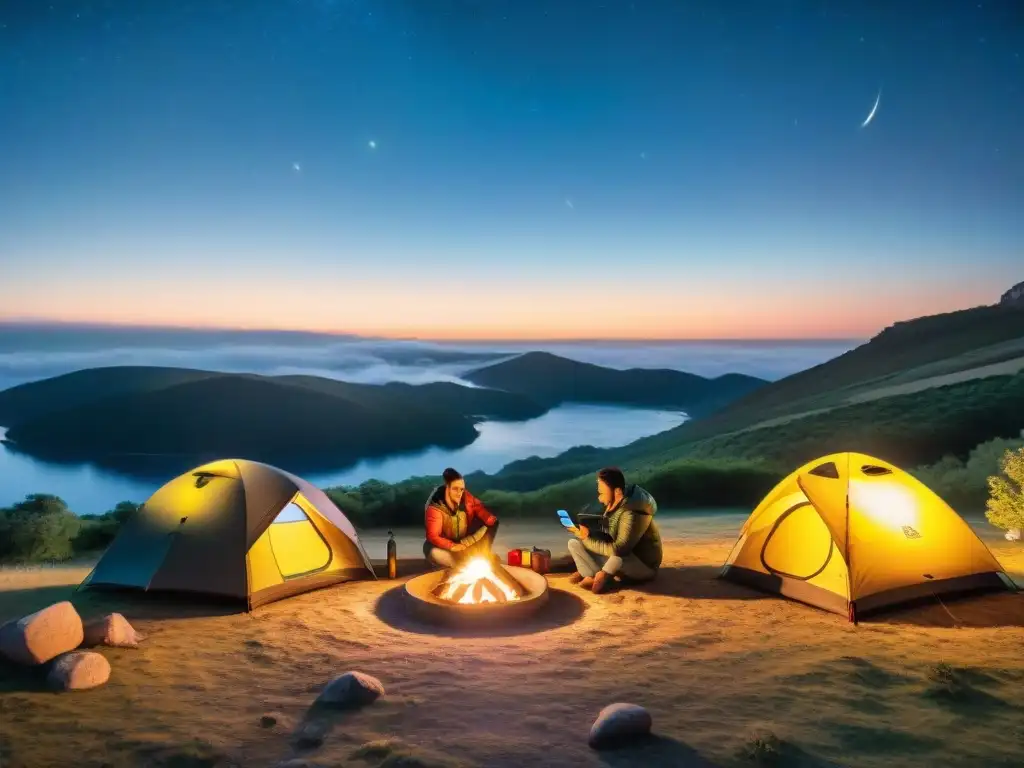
(916, 391)
(236, 415)
(552, 379)
(28, 402)
(110, 415)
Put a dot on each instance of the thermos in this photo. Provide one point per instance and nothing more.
(392, 556)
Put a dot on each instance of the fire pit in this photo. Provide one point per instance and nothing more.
(480, 592)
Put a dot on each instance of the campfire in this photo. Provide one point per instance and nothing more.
(478, 581)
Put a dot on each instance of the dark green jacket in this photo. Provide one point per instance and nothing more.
(630, 529)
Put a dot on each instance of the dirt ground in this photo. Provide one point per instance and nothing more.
(730, 676)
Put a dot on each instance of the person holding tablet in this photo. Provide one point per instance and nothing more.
(628, 547)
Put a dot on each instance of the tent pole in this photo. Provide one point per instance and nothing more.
(849, 561)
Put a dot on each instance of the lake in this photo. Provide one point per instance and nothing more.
(29, 353)
(90, 490)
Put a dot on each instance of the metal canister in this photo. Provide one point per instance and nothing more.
(540, 560)
(392, 556)
(515, 557)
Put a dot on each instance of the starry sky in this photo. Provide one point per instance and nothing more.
(510, 168)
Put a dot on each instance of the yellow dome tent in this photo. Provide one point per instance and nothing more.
(234, 529)
(850, 533)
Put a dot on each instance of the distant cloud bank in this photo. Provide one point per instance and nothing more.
(30, 353)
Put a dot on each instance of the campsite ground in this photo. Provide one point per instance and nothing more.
(718, 666)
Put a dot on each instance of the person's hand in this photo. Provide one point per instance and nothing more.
(581, 531)
(457, 547)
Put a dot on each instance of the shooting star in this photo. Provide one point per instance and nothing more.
(296, 167)
(568, 202)
(874, 109)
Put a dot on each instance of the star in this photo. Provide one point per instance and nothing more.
(373, 144)
(643, 155)
(296, 167)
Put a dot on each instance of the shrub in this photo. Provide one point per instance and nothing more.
(37, 529)
(1005, 507)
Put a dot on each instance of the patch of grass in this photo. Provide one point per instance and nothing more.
(763, 748)
(374, 750)
(869, 674)
(192, 754)
(859, 739)
(392, 753)
(410, 760)
(955, 686)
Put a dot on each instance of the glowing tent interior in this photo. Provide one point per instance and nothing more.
(234, 529)
(850, 533)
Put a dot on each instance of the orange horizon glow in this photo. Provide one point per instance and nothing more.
(506, 312)
(752, 331)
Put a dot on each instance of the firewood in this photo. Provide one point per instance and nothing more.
(478, 591)
(459, 592)
(510, 581)
(496, 592)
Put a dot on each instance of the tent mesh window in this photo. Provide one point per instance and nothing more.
(875, 471)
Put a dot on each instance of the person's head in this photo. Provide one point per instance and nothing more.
(611, 485)
(454, 486)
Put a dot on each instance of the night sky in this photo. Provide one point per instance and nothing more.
(510, 168)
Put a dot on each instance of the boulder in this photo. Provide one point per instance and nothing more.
(43, 635)
(113, 630)
(79, 671)
(350, 690)
(618, 724)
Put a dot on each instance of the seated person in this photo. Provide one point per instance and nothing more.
(629, 547)
(458, 525)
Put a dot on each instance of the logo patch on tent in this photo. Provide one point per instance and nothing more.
(910, 533)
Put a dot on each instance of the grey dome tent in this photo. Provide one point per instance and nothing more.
(234, 529)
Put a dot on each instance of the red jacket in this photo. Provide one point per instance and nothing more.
(445, 528)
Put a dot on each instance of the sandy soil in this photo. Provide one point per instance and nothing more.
(726, 673)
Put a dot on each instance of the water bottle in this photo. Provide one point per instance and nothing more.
(392, 556)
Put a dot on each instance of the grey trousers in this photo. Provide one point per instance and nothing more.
(447, 559)
(588, 564)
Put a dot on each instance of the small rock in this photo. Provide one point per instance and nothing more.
(352, 689)
(79, 671)
(43, 635)
(268, 721)
(113, 630)
(619, 723)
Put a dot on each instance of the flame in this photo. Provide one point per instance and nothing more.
(476, 569)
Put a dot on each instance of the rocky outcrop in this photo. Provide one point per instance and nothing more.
(1014, 297)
